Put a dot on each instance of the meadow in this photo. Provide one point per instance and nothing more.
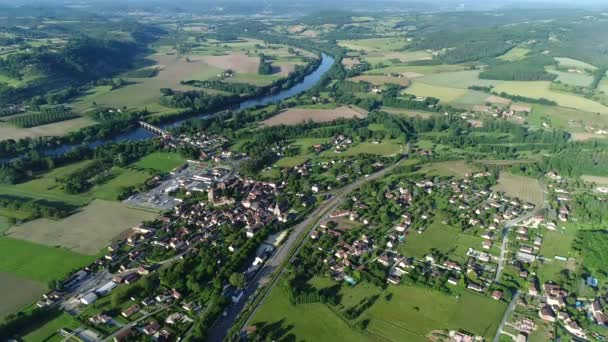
(413, 312)
(380, 80)
(385, 148)
(572, 78)
(375, 44)
(38, 262)
(8, 131)
(457, 168)
(86, 232)
(525, 188)
(561, 117)
(515, 54)
(573, 63)
(50, 330)
(421, 70)
(456, 79)
(595, 179)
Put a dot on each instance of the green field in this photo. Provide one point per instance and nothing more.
(413, 312)
(448, 240)
(457, 168)
(37, 262)
(161, 161)
(559, 117)
(445, 94)
(50, 330)
(456, 79)
(17, 292)
(375, 44)
(310, 322)
(558, 243)
(525, 188)
(573, 63)
(540, 89)
(425, 69)
(124, 177)
(384, 148)
(515, 54)
(572, 78)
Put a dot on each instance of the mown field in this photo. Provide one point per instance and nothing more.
(161, 161)
(448, 240)
(457, 168)
(86, 232)
(38, 262)
(525, 188)
(50, 330)
(17, 292)
(413, 312)
(8, 131)
(296, 116)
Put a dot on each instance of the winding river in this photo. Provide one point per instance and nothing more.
(142, 134)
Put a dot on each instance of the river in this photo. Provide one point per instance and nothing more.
(142, 134)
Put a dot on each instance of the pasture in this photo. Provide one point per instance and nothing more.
(407, 112)
(50, 330)
(296, 116)
(416, 69)
(86, 232)
(37, 262)
(525, 188)
(445, 94)
(541, 89)
(413, 312)
(375, 44)
(572, 120)
(16, 293)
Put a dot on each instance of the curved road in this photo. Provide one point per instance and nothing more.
(294, 242)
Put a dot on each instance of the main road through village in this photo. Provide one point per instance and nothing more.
(293, 243)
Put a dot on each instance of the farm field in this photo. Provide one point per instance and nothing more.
(296, 116)
(375, 44)
(525, 188)
(456, 79)
(413, 312)
(379, 80)
(575, 79)
(36, 262)
(310, 322)
(86, 232)
(407, 112)
(8, 131)
(540, 89)
(21, 292)
(445, 94)
(161, 161)
(420, 70)
(448, 240)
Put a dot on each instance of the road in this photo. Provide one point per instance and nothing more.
(219, 330)
(505, 233)
(505, 317)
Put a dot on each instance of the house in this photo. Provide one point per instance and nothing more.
(575, 329)
(486, 244)
(497, 295)
(130, 311)
(546, 314)
(453, 281)
(383, 260)
(393, 280)
(152, 328)
(123, 335)
(475, 287)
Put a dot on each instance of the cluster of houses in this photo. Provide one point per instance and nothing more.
(480, 210)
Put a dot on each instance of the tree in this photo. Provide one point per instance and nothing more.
(237, 280)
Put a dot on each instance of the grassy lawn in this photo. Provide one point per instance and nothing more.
(540, 89)
(37, 262)
(445, 94)
(50, 330)
(257, 80)
(558, 243)
(550, 270)
(304, 322)
(457, 168)
(161, 161)
(408, 112)
(443, 238)
(413, 312)
(125, 177)
(304, 144)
